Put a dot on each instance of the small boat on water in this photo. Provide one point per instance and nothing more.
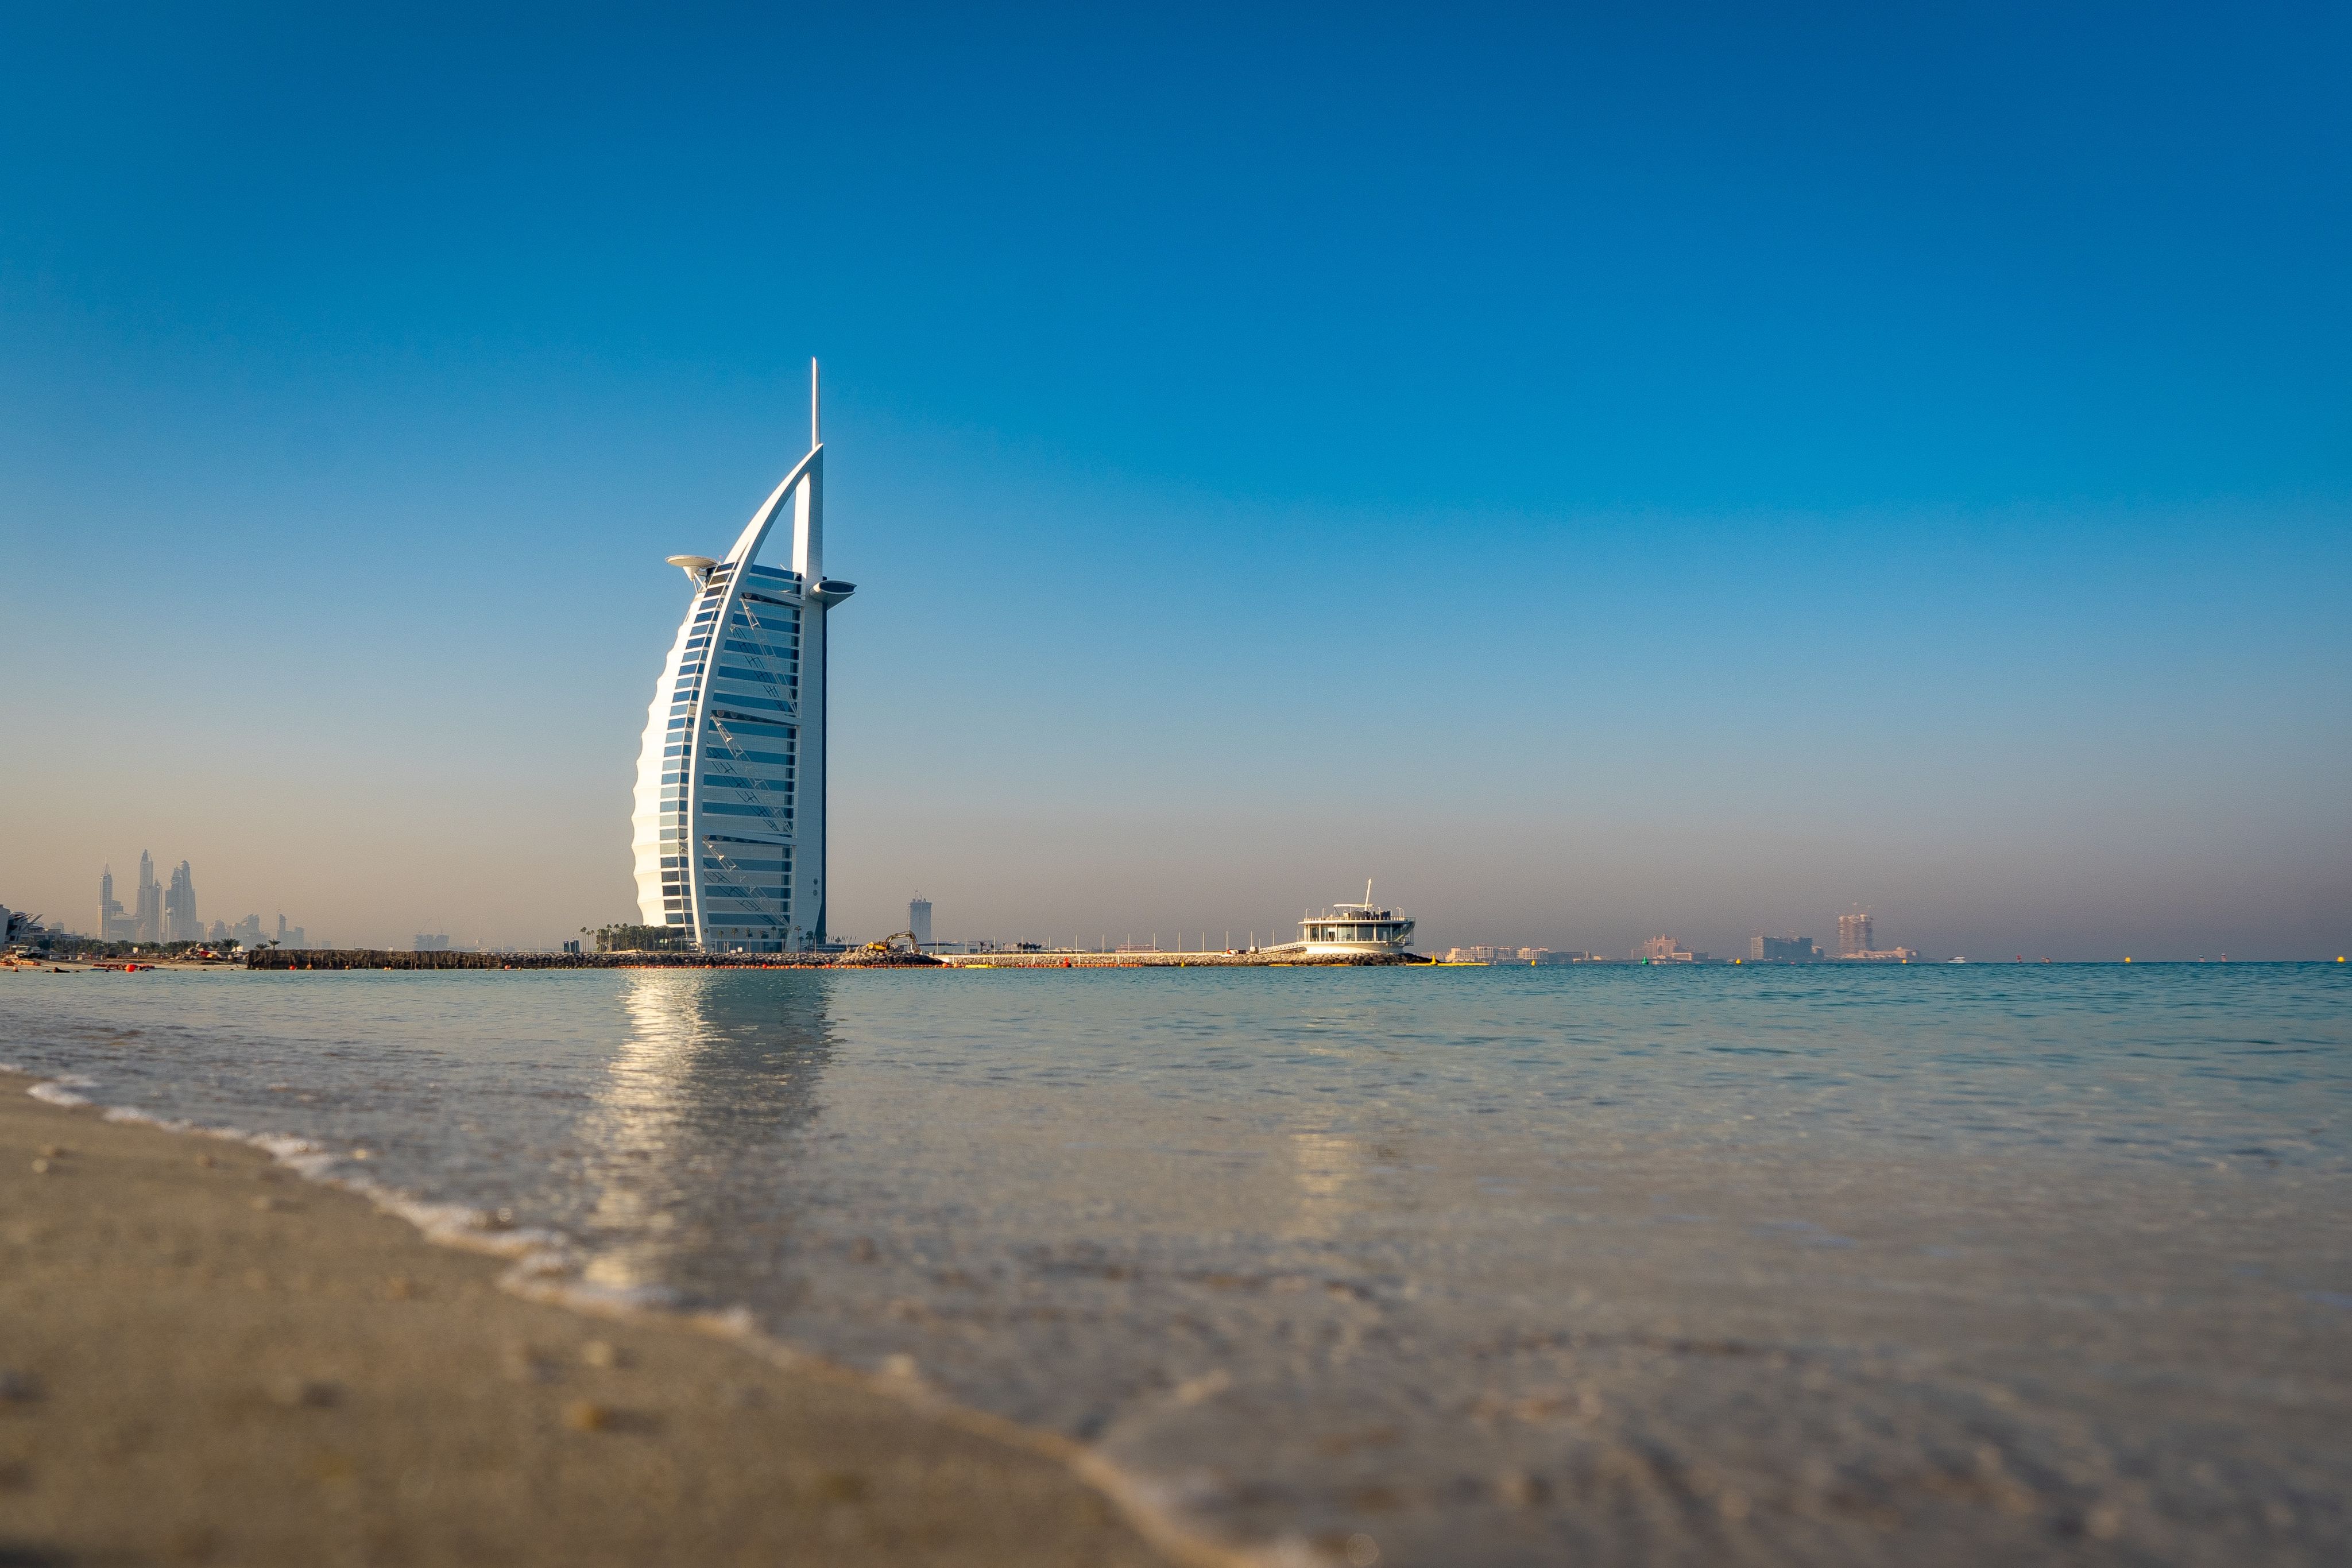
(1349, 930)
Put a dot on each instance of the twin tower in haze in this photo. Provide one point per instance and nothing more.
(730, 810)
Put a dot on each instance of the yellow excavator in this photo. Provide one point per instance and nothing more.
(889, 943)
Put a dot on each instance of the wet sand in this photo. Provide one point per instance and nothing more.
(204, 1359)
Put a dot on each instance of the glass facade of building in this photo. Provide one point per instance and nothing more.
(730, 810)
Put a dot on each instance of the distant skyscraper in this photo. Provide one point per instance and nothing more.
(1781, 950)
(150, 917)
(918, 919)
(290, 935)
(730, 813)
(113, 925)
(180, 907)
(1854, 934)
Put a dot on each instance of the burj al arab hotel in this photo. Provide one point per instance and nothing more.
(730, 816)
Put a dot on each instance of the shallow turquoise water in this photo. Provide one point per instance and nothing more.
(1484, 1266)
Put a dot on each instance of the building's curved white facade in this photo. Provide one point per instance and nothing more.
(730, 814)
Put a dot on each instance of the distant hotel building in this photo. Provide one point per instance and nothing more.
(1666, 950)
(730, 819)
(1853, 935)
(1781, 950)
(918, 919)
(1855, 941)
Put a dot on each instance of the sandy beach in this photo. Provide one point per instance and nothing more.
(206, 1359)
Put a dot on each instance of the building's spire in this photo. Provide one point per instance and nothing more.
(814, 440)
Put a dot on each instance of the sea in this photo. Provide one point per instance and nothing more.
(1822, 1264)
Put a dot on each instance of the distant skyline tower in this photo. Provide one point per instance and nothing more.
(1854, 934)
(148, 919)
(180, 907)
(729, 811)
(918, 919)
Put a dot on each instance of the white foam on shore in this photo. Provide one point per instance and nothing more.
(545, 1268)
(60, 1091)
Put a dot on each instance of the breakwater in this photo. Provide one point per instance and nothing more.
(385, 958)
(856, 958)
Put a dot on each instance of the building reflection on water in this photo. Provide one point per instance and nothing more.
(686, 1155)
(1330, 1169)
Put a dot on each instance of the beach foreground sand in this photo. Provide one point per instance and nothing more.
(203, 1358)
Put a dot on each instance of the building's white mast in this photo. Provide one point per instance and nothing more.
(814, 440)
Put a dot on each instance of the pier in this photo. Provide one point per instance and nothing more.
(1246, 958)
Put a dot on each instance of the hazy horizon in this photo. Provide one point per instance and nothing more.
(1598, 477)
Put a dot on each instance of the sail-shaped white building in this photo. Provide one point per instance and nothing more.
(730, 814)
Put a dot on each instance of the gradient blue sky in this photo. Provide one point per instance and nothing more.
(1604, 473)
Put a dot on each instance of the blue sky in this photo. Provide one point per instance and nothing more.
(1601, 475)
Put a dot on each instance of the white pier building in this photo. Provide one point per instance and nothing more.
(730, 813)
(1356, 930)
